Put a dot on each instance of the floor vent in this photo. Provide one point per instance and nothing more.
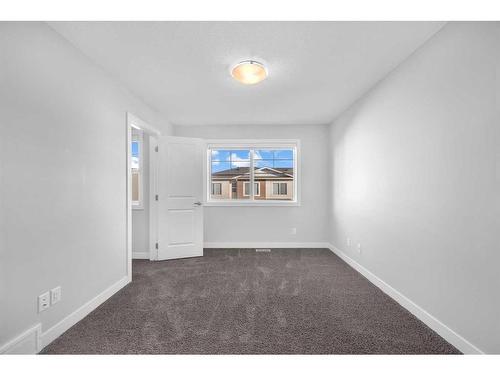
(263, 250)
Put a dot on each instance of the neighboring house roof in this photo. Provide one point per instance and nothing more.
(259, 173)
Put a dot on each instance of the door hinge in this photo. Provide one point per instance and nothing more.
(156, 246)
(156, 197)
(156, 149)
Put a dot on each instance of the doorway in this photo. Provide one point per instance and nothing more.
(164, 194)
(141, 141)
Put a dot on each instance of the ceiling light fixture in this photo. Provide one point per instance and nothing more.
(249, 72)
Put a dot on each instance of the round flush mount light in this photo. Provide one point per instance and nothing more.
(249, 72)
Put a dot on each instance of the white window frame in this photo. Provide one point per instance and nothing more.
(138, 136)
(240, 144)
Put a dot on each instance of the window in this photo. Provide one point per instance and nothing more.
(280, 188)
(136, 167)
(241, 173)
(216, 188)
(255, 189)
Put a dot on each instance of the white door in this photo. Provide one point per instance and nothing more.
(180, 192)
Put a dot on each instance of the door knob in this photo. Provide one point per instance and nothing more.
(197, 203)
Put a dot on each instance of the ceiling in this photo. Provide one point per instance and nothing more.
(181, 69)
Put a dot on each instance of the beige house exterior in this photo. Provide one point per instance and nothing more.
(270, 184)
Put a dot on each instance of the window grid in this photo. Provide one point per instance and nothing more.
(255, 162)
(273, 160)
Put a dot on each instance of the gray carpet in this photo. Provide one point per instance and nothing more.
(240, 301)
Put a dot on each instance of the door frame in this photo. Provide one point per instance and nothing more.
(153, 191)
(133, 121)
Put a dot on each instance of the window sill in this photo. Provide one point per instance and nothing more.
(252, 204)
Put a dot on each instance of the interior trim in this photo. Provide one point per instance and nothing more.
(432, 322)
(28, 342)
(140, 254)
(59, 328)
(273, 245)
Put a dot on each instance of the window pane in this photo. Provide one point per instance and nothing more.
(283, 154)
(230, 169)
(264, 154)
(241, 179)
(135, 155)
(220, 155)
(274, 171)
(271, 158)
(221, 175)
(283, 164)
(242, 166)
(135, 148)
(220, 166)
(240, 155)
(263, 163)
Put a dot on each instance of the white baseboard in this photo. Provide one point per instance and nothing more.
(140, 254)
(440, 328)
(57, 330)
(263, 245)
(28, 342)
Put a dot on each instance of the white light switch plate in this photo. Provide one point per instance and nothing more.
(55, 295)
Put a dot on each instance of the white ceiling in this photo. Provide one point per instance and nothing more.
(316, 69)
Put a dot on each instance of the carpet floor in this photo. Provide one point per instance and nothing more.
(231, 301)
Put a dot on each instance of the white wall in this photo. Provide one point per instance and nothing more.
(62, 176)
(140, 217)
(272, 224)
(415, 179)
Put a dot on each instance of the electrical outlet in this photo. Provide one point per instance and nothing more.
(359, 248)
(43, 301)
(293, 230)
(348, 240)
(55, 295)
